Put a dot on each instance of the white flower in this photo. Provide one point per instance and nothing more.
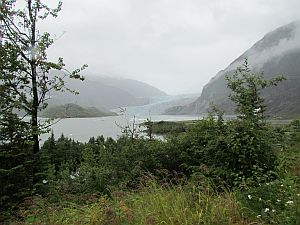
(298, 194)
(273, 210)
(258, 216)
(249, 196)
(290, 202)
(259, 199)
(45, 181)
(257, 110)
(281, 185)
(72, 177)
(266, 210)
(278, 200)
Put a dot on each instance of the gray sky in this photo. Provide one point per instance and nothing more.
(175, 45)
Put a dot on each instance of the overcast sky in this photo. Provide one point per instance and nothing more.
(175, 45)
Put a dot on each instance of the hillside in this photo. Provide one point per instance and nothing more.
(109, 93)
(74, 111)
(277, 53)
(135, 88)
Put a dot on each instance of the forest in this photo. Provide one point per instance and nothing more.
(210, 171)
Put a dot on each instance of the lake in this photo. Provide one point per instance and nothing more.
(81, 129)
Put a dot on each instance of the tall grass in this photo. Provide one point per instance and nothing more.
(152, 204)
(184, 205)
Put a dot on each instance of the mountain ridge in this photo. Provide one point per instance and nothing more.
(277, 53)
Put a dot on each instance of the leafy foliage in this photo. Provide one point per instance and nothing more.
(250, 137)
(168, 127)
(246, 87)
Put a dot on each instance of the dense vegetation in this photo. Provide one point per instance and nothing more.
(180, 181)
(169, 127)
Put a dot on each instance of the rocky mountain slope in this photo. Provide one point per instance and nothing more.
(277, 53)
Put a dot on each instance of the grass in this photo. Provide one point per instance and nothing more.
(170, 205)
(152, 204)
(184, 205)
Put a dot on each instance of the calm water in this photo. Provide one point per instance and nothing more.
(82, 129)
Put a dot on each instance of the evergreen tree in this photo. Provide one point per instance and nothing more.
(16, 160)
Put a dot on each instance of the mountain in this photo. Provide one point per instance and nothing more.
(136, 88)
(106, 93)
(277, 53)
(74, 111)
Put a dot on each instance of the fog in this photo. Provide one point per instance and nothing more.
(284, 46)
(175, 45)
(263, 52)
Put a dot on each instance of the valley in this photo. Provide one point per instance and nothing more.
(133, 128)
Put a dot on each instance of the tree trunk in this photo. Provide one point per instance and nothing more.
(35, 100)
(34, 116)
